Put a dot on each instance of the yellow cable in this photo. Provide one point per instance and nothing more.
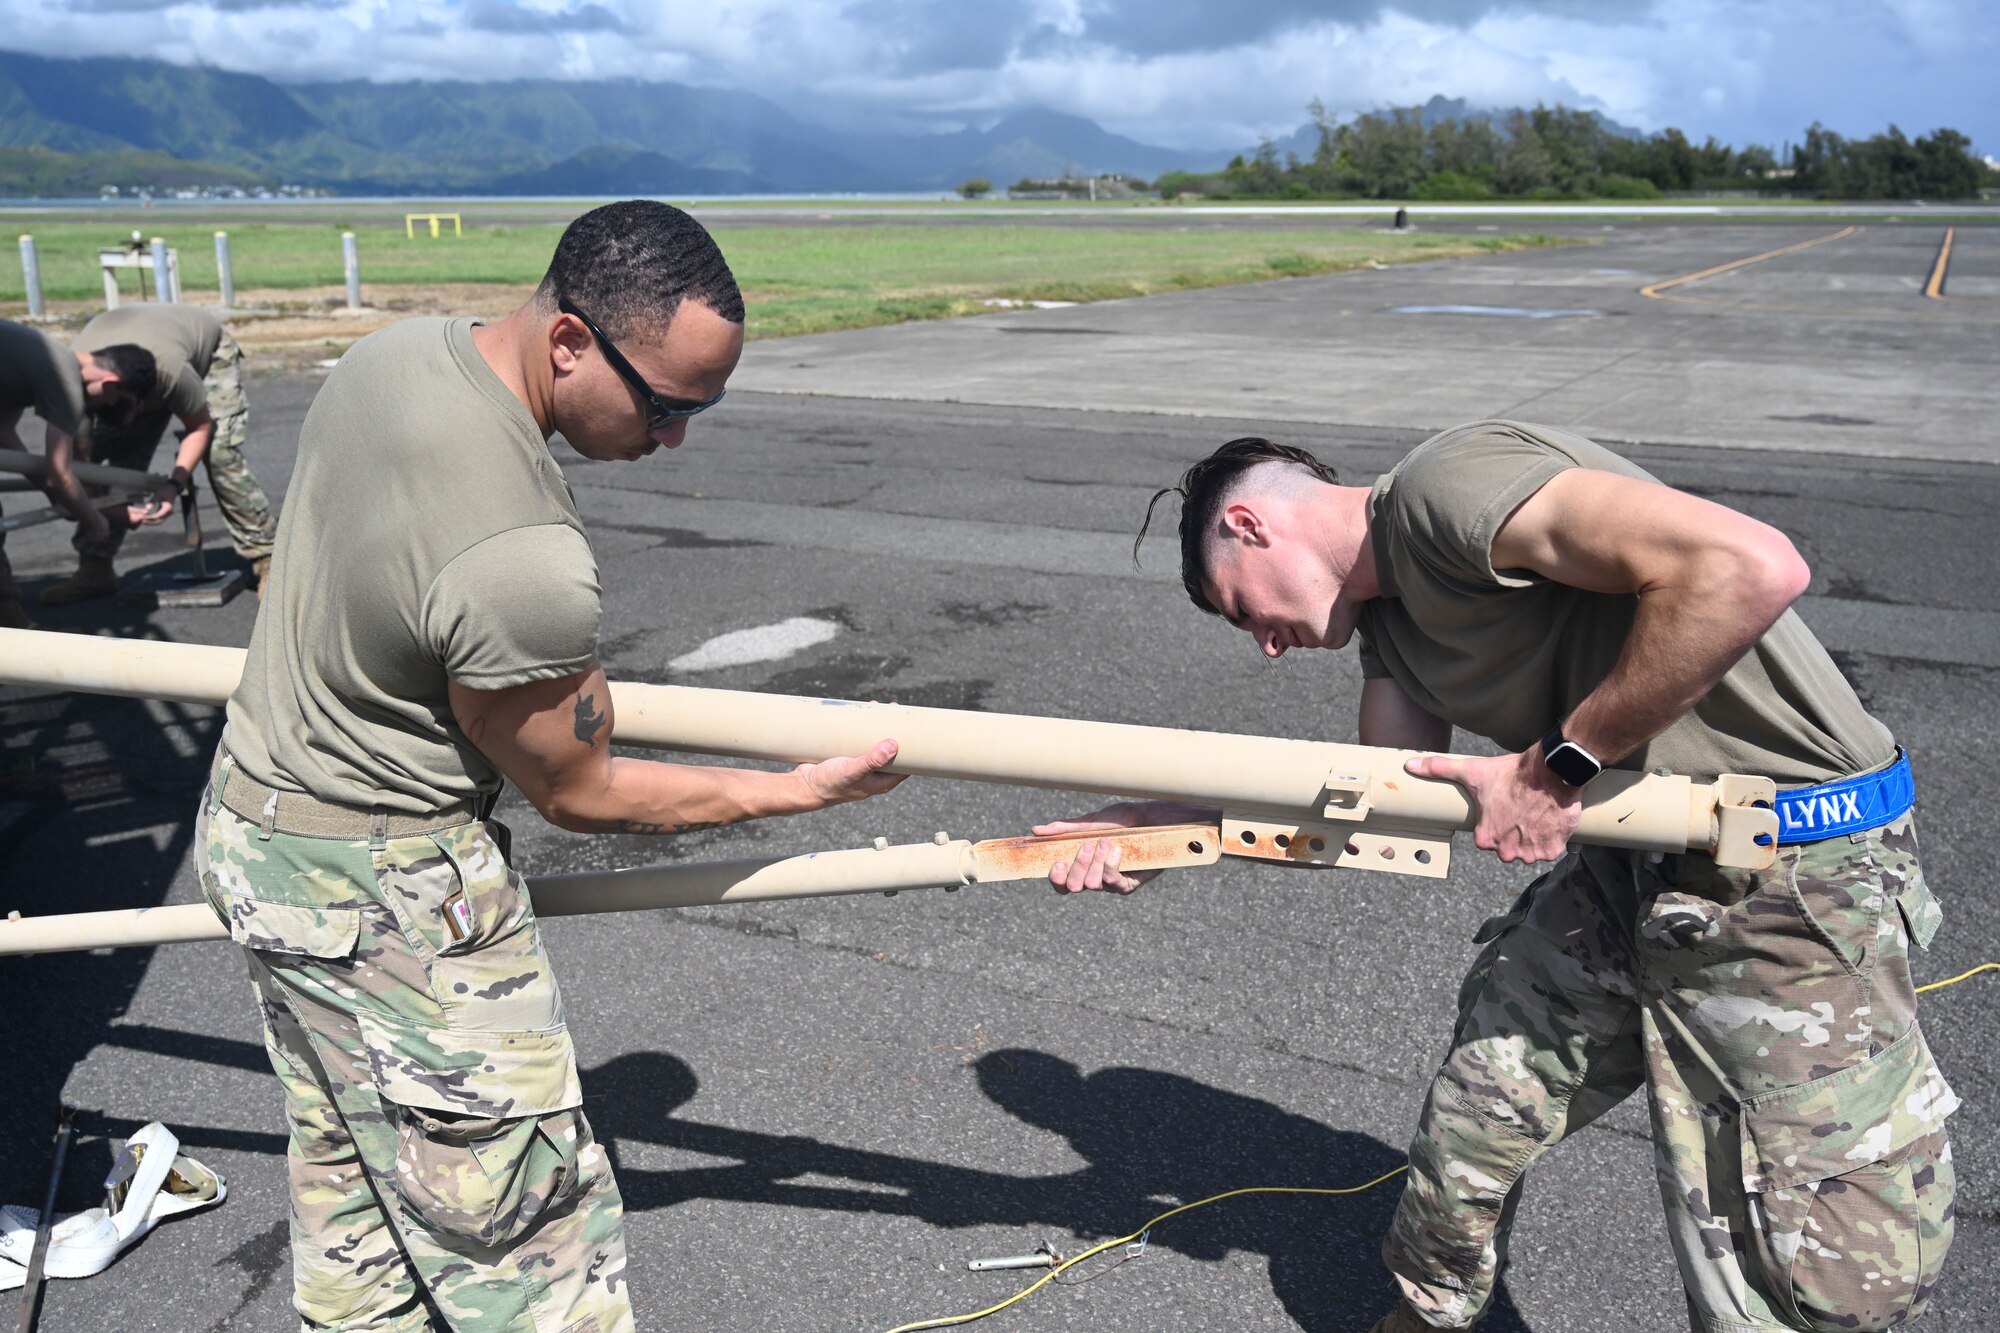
(950, 1321)
(1953, 981)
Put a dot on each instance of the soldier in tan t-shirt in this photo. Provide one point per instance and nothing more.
(39, 374)
(1532, 587)
(432, 628)
(200, 383)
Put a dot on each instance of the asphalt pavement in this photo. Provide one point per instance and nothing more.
(821, 1110)
(1826, 343)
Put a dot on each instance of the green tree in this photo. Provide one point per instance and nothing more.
(1261, 175)
(1820, 163)
(976, 188)
(1673, 162)
(1387, 151)
(1946, 167)
(1469, 148)
(1574, 144)
(1524, 165)
(1715, 164)
(1756, 162)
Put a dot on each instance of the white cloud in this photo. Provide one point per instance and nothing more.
(1745, 71)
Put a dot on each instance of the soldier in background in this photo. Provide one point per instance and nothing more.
(431, 627)
(1535, 588)
(62, 387)
(201, 383)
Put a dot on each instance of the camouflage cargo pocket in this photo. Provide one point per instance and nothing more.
(1850, 1190)
(486, 1125)
(281, 895)
(475, 927)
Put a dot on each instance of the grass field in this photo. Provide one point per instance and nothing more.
(798, 279)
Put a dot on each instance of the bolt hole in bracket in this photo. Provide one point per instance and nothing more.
(1346, 797)
(1745, 831)
(1399, 851)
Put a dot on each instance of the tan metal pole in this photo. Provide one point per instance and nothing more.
(944, 862)
(1319, 785)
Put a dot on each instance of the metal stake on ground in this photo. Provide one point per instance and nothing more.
(31, 276)
(165, 290)
(352, 260)
(225, 278)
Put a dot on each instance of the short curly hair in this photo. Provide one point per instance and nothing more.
(1203, 490)
(632, 263)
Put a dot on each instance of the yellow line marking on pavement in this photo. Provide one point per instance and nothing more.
(1935, 287)
(1655, 289)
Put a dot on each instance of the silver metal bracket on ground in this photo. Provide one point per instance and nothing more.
(180, 588)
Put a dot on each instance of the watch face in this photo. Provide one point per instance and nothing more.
(1569, 762)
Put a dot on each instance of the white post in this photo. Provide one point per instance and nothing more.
(224, 277)
(163, 278)
(31, 276)
(353, 261)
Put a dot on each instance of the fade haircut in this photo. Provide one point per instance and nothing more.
(1207, 486)
(138, 374)
(629, 266)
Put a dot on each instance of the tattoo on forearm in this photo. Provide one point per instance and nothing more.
(588, 720)
(643, 826)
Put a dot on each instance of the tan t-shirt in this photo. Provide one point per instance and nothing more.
(38, 372)
(428, 536)
(182, 339)
(1507, 654)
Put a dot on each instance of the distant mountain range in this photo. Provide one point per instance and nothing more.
(64, 123)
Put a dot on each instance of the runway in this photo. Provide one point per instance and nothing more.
(821, 1110)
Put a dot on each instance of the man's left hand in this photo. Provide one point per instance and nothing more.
(1526, 813)
(155, 508)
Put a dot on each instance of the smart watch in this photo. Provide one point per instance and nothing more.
(1568, 760)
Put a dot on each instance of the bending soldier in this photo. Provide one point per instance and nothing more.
(62, 387)
(431, 628)
(201, 383)
(1527, 585)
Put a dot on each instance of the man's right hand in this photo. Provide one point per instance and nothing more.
(155, 508)
(1095, 865)
(850, 778)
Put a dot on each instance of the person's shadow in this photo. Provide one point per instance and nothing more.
(1153, 1140)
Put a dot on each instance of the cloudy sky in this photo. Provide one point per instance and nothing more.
(1187, 73)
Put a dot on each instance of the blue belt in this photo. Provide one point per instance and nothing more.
(1808, 814)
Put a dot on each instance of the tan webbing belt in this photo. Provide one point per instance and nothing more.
(296, 813)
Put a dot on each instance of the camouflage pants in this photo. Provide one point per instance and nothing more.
(437, 1143)
(1798, 1117)
(246, 510)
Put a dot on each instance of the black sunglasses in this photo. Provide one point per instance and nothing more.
(663, 410)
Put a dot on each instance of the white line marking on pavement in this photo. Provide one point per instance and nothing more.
(765, 643)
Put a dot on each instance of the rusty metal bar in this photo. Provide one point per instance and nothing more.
(944, 862)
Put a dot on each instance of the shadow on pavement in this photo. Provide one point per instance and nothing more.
(1153, 1140)
(97, 807)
